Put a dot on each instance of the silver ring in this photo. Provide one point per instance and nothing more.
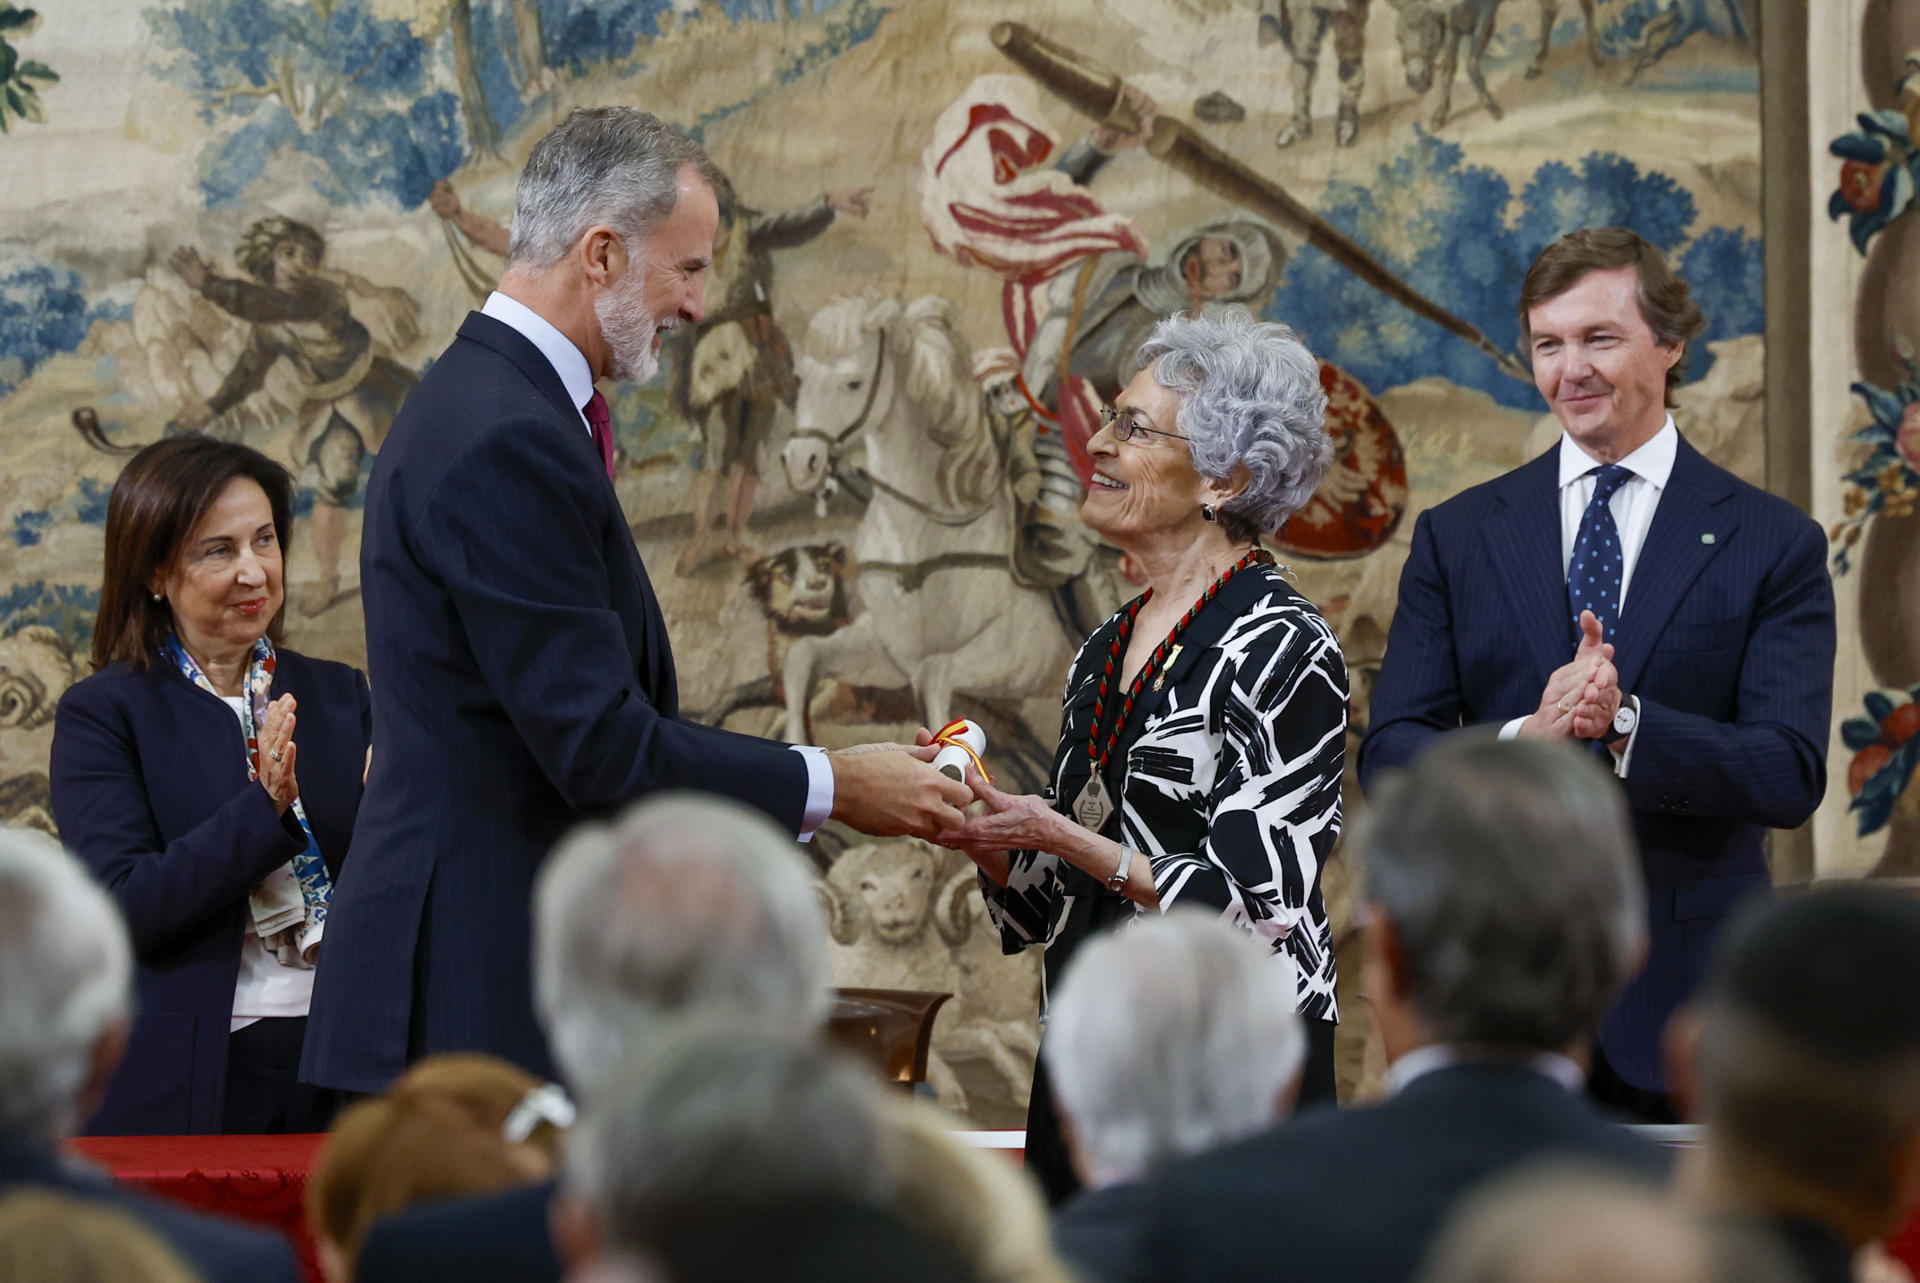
(277, 756)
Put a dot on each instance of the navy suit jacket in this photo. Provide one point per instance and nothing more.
(150, 789)
(1357, 1195)
(220, 1251)
(500, 1237)
(525, 682)
(1727, 638)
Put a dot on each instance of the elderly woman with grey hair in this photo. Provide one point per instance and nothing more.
(1204, 725)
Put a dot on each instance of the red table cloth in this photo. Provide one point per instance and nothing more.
(262, 1179)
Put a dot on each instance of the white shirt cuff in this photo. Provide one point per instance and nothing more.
(1512, 729)
(819, 789)
(1625, 760)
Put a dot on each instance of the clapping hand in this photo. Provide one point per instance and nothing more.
(277, 754)
(1582, 696)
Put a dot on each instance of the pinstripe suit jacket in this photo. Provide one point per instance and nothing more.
(1727, 638)
(522, 682)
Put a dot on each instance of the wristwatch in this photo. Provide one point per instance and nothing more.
(1625, 718)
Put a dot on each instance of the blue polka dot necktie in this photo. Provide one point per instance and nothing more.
(1595, 572)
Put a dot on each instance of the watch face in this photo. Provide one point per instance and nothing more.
(1624, 719)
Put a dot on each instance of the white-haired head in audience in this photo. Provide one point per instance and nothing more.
(686, 902)
(1170, 1036)
(65, 996)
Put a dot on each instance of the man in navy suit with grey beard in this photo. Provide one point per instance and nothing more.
(524, 676)
(1622, 590)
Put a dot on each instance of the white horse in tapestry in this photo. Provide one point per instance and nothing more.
(942, 611)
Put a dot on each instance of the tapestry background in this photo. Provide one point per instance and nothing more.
(927, 222)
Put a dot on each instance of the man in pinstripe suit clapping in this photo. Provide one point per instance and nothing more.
(1622, 590)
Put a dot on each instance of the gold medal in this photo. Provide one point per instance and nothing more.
(1093, 806)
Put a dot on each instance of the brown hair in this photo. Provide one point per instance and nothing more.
(162, 492)
(436, 1135)
(1666, 304)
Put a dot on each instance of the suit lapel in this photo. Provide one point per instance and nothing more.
(1676, 551)
(1523, 545)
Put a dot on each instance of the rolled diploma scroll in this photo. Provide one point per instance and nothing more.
(953, 760)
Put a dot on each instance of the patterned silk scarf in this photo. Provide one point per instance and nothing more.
(289, 906)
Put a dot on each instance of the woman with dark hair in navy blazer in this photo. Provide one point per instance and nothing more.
(214, 815)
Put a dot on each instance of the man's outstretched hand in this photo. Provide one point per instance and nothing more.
(890, 790)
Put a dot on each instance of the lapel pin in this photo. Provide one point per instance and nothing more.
(1161, 676)
(1707, 538)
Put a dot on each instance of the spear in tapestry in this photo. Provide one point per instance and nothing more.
(1097, 91)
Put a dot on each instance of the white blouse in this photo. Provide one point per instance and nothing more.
(267, 986)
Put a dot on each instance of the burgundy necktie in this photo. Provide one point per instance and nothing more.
(601, 421)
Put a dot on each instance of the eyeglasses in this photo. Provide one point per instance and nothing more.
(1127, 422)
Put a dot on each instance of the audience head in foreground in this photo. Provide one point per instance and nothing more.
(51, 1238)
(1562, 1223)
(453, 1126)
(1505, 907)
(1503, 912)
(687, 902)
(65, 983)
(1801, 1056)
(717, 1109)
(64, 1003)
(1170, 1036)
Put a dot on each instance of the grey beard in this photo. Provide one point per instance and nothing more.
(628, 328)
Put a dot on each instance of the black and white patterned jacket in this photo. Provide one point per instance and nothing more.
(1228, 780)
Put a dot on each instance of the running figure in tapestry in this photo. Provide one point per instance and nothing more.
(349, 390)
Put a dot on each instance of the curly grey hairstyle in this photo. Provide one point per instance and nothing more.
(1249, 397)
(614, 165)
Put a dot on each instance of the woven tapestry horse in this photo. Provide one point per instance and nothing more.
(941, 610)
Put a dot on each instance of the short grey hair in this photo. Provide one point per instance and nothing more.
(723, 1108)
(686, 901)
(614, 165)
(1510, 875)
(1169, 1036)
(1250, 397)
(68, 967)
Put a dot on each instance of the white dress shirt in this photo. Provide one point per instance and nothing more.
(577, 377)
(1632, 505)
